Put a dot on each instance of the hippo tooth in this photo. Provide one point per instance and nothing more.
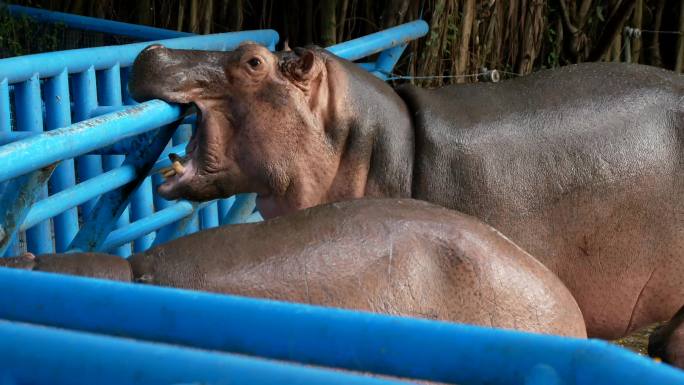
(178, 167)
(167, 171)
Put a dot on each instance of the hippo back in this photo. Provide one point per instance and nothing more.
(583, 163)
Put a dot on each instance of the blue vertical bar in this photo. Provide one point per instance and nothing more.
(209, 216)
(58, 114)
(18, 195)
(6, 126)
(109, 94)
(142, 204)
(141, 207)
(387, 60)
(5, 119)
(29, 109)
(85, 100)
(224, 207)
(241, 209)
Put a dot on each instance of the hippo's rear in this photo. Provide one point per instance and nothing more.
(582, 166)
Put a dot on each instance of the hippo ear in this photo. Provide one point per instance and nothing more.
(302, 67)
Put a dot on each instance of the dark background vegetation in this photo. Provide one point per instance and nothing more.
(513, 36)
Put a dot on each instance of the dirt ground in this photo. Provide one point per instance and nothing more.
(637, 341)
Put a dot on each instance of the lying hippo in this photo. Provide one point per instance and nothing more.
(400, 257)
(581, 166)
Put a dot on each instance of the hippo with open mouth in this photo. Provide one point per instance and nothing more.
(581, 166)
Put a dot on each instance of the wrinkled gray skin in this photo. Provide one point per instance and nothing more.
(400, 257)
(581, 166)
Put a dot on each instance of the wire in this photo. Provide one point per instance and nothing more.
(393, 76)
(671, 32)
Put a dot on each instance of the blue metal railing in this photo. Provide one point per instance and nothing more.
(365, 342)
(85, 23)
(95, 79)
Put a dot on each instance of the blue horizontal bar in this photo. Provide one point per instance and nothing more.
(120, 147)
(41, 355)
(404, 347)
(12, 136)
(78, 194)
(20, 68)
(99, 25)
(370, 66)
(150, 223)
(376, 42)
(64, 143)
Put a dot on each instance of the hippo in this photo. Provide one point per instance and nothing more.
(392, 256)
(580, 166)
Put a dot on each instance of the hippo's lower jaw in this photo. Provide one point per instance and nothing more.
(180, 175)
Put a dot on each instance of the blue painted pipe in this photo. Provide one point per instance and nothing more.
(5, 128)
(142, 206)
(40, 355)
(78, 194)
(180, 227)
(369, 66)
(376, 42)
(5, 119)
(85, 23)
(20, 68)
(173, 213)
(223, 207)
(85, 99)
(387, 60)
(28, 105)
(242, 208)
(404, 347)
(142, 202)
(18, 195)
(109, 93)
(209, 216)
(23, 156)
(58, 114)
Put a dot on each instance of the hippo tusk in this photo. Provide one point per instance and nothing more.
(178, 167)
(167, 172)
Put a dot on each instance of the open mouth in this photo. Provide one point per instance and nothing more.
(183, 168)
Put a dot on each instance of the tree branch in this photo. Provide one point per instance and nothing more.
(613, 28)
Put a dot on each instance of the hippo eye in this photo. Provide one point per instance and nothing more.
(254, 62)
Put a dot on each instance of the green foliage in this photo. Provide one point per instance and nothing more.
(552, 59)
(22, 35)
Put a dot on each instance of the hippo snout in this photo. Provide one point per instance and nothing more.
(145, 76)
